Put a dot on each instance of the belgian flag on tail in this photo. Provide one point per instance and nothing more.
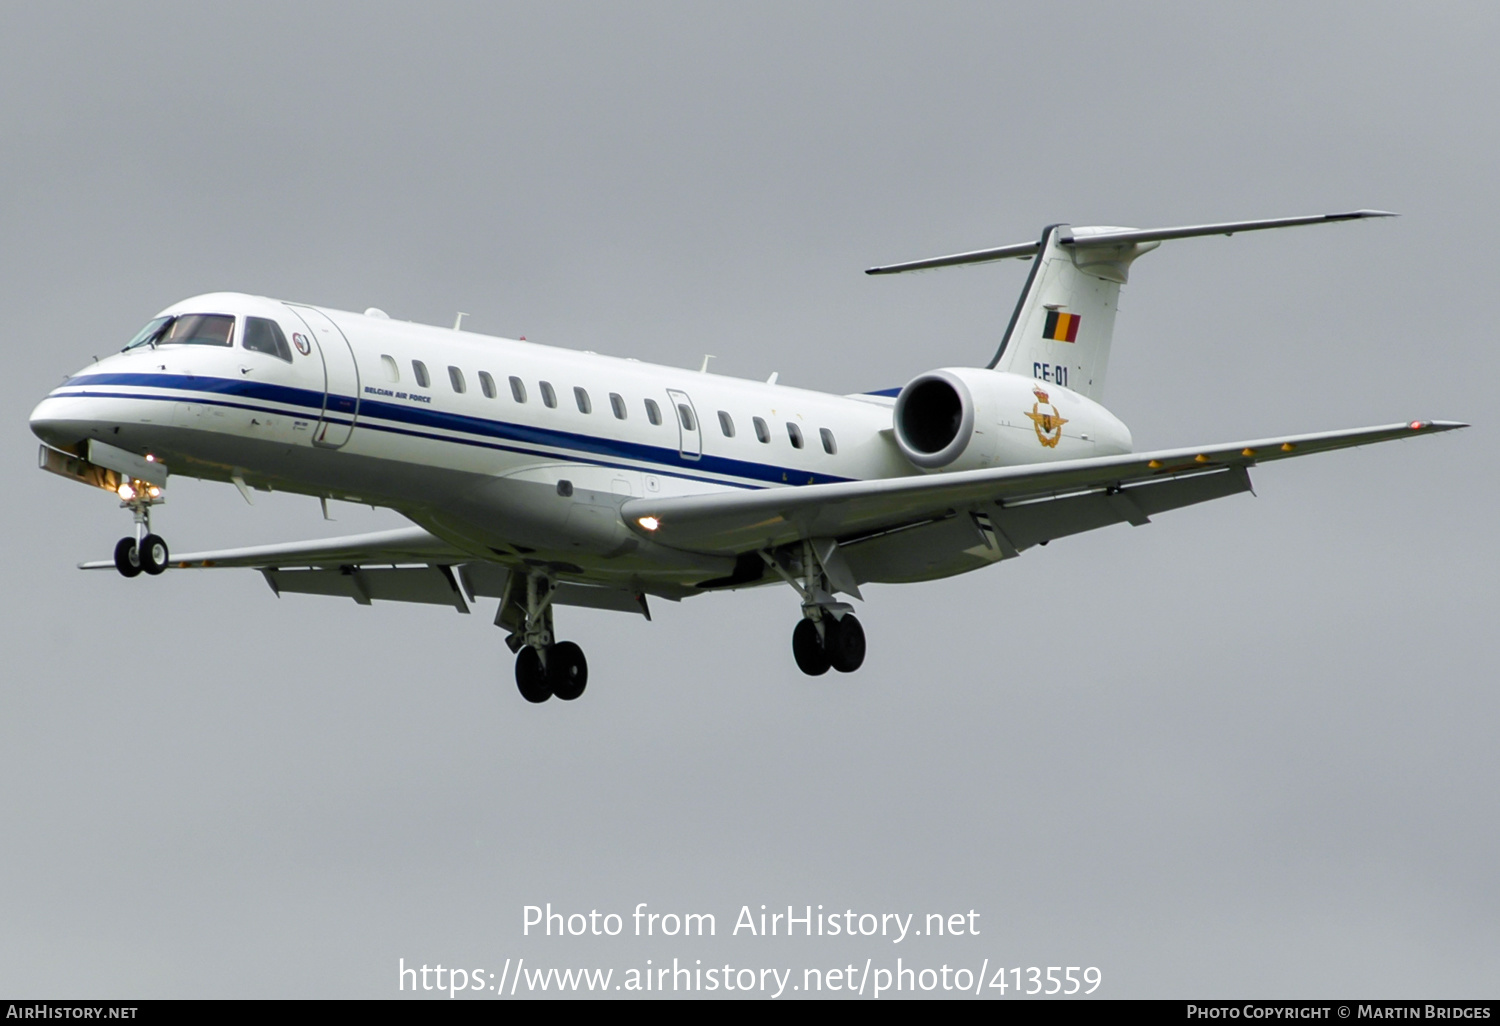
(1061, 327)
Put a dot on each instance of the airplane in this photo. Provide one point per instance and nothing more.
(543, 477)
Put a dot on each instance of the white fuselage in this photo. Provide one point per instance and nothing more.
(538, 481)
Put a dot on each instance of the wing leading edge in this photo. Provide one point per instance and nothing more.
(1128, 487)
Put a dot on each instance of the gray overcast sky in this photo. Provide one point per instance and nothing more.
(1247, 750)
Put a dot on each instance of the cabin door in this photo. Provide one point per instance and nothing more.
(340, 378)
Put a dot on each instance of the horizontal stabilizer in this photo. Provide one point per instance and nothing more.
(1089, 237)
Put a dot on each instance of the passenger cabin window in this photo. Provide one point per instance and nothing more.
(518, 390)
(685, 414)
(617, 404)
(456, 379)
(487, 384)
(263, 335)
(795, 434)
(829, 445)
(581, 397)
(392, 372)
(420, 370)
(726, 424)
(653, 412)
(762, 432)
(549, 397)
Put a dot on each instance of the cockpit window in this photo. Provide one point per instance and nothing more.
(264, 335)
(149, 334)
(198, 330)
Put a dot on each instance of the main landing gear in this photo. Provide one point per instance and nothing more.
(819, 645)
(544, 668)
(828, 635)
(145, 552)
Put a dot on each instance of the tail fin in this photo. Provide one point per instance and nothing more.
(1062, 326)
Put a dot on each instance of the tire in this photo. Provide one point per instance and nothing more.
(127, 557)
(531, 678)
(567, 670)
(807, 649)
(153, 554)
(845, 642)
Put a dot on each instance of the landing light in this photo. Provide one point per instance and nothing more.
(649, 523)
(125, 492)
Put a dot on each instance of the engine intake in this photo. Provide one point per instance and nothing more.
(934, 419)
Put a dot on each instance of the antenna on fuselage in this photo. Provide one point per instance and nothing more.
(458, 322)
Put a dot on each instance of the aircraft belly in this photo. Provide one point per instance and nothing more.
(527, 517)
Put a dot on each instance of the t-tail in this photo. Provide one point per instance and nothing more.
(1062, 325)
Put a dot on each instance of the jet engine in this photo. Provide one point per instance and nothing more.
(965, 418)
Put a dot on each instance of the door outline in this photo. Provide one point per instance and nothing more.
(339, 368)
(689, 443)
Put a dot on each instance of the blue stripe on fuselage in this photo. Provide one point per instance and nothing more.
(669, 458)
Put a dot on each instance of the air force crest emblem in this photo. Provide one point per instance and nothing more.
(1048, 425)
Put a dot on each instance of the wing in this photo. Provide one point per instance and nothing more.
(404, 565)
(407, 564)
(402, 545)
(1011, 507)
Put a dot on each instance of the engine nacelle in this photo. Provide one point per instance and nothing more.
(965, 418)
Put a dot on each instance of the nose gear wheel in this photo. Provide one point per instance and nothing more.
(152, 554)
(146, 552)
(127, 557)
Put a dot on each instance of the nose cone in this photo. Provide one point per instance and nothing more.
(61, 421)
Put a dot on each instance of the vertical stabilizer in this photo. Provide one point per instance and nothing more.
(1062, 325)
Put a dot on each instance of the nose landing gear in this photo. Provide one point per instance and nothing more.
(145, 551)
(544, 668)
